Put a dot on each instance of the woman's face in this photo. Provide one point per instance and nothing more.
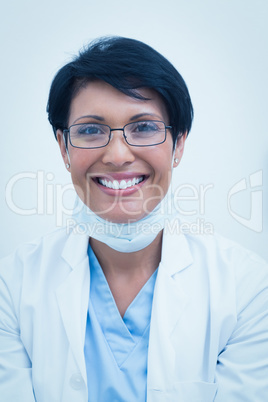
(151, 166)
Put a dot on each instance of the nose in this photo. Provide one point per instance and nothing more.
(117, 152)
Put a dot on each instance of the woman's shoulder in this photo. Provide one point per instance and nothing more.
(57, 235)
(31, 253)
(224, 254)
(225, 263)
(210, 246)
(231, 264)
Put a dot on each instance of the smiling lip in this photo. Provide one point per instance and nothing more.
(120, 183)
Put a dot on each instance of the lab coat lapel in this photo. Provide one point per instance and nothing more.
(73, 294)
(169, 303)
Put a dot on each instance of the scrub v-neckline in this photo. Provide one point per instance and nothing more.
(121, 334)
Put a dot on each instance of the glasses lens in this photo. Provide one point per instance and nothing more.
(89, 135)
(144, 133)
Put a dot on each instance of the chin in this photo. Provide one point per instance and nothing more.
(119, 217)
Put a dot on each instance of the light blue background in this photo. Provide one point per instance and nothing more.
(220, 48)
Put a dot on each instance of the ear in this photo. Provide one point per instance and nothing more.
(179, 148)
(61, 142)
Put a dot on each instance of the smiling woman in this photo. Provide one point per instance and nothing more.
(131, 308)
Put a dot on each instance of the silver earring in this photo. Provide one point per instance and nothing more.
(67, 165)
(176, 160)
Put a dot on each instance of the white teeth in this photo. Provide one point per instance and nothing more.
(123, 184)
(115, 185)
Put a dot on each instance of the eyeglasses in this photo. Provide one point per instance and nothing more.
(138, 134)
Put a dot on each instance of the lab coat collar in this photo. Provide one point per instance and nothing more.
(72, 296)
(169, 303)
(75, 250)
(176, 254)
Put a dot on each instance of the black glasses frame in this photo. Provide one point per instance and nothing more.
(66, 132)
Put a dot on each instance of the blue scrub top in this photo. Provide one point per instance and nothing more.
(116, 348)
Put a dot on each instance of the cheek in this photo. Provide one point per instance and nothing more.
(161, 161)
(157, 155)
(80, 176)
(81, 162)
(78, 171)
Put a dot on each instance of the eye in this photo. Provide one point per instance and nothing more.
(145, 126)
(145, 129)
(90, 129)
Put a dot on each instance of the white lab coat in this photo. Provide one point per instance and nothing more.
(209, 323)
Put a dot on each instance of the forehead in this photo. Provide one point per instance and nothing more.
(101, 99)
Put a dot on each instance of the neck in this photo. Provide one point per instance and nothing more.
(127, 273)
(115, 263)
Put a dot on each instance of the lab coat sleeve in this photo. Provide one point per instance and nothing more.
(242, 368)
(15, 365)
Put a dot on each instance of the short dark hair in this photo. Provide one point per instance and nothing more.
(127, 65)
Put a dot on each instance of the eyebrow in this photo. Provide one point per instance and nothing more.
(138, 116)
(93, 116)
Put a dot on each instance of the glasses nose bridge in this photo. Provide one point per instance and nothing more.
(117, 129)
